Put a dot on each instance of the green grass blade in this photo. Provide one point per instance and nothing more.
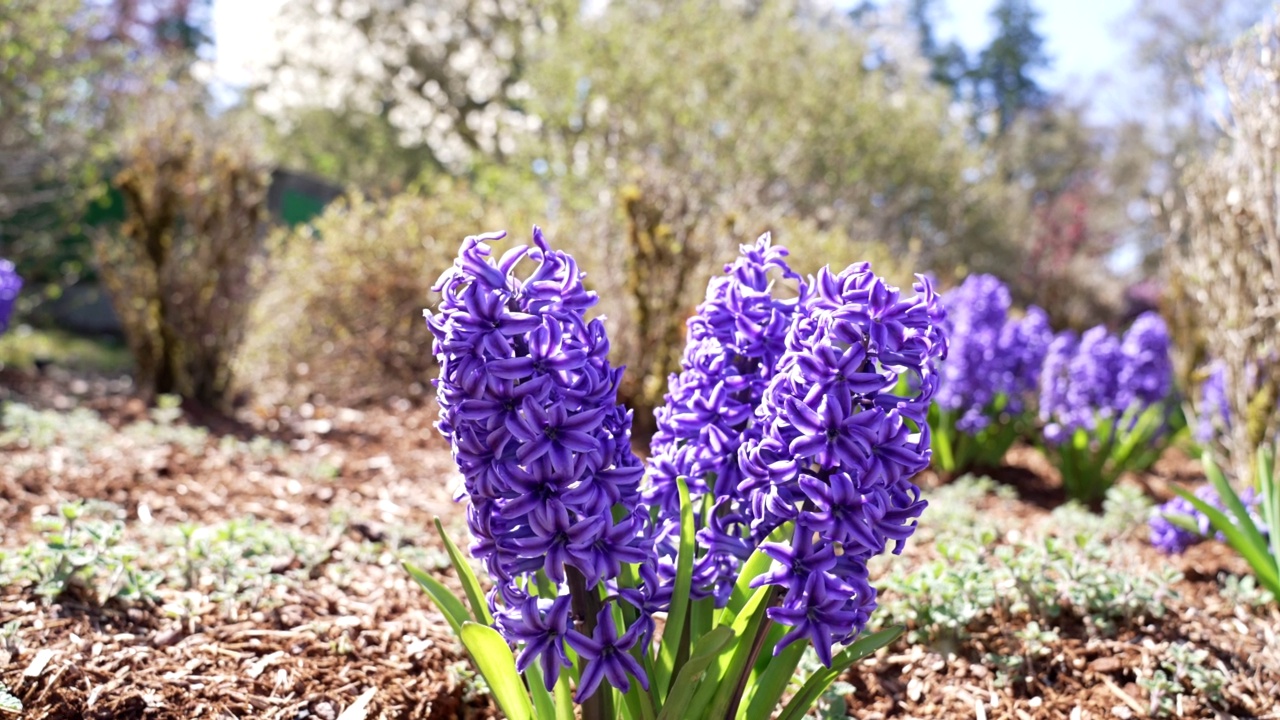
(470, 585)
(682, 691)
(820, 680)
(451, 607)
(666, 665)
(498, 666)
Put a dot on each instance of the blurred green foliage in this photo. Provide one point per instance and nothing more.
(52, 138)
(341, 309)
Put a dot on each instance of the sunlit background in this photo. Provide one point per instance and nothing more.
(1041, 141)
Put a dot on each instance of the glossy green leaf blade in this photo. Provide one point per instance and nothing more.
(564, 697)
(707, 651)
(470, 585)
(451, 607)
(498, 666)
(772, 683)
(749, 623)
(675, 626)
(820, 680)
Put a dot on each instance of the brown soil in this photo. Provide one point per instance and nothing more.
(352, 623)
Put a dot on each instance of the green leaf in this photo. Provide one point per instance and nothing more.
(451, 607)
(707, 651)
(730, 664)
(498, 666)
(470, 585)
(1258, 557)
(753, 568)
(564, 698)
(819, 681)
(544, 707)
(675, 626)
(772, 683)
(1228, 495)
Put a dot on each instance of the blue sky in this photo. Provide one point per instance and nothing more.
(1083, 38)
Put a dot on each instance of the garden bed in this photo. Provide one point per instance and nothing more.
(253, 571)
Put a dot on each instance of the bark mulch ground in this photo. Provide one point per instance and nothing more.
(314, 618)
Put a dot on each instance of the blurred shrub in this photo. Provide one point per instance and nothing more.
(782, 106)
(341, 312)
(178, 268)
(1227, 265)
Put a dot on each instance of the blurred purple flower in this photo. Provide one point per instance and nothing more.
(10, 286)
(1103, 376)
(991, 355)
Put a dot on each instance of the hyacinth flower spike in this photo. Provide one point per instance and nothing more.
(781, 465)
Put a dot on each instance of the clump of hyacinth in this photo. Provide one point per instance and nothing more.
(1174, 539)
(992, 367)
(1102, 376)
(843, 431)
(731, 354)
(977, 369)
(10, 286)
(1102, 401)
(528, 400)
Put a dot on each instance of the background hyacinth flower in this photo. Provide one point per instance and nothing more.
(1248, 520)
(844, 430)
(1104, 402)
(1213, 417)
(529, 402)
(734, 342)
(783, 463)
(991, 371)
(1177, 524)
(10, 286)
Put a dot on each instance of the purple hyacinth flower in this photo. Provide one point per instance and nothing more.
(607, 656)
(733, 346)
(838, 450)
(10, 286)
(528, 401)
(543, 628)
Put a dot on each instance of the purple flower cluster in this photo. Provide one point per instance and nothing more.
(1103, 376)
(733, 347)
(991, 354)
(10, 285)
(843, 431)
(1172, 539)
(1146, 375)
(528, 401)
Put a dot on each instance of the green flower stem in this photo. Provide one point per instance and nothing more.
(757, 643)
(586, 606)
